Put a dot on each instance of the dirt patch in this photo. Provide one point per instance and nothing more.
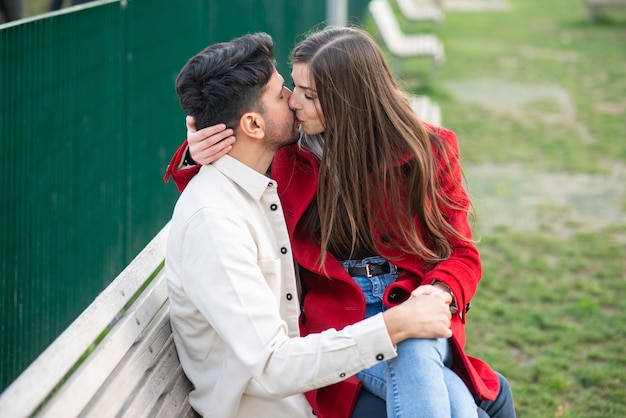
(516, 197)
(520, 101)
(513, 197)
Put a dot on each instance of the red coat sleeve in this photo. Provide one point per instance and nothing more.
(463, 269)
(183, 176)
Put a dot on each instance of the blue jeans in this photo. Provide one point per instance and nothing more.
(418, 382)
(371, 406)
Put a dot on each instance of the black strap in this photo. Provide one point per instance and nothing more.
(370, 270)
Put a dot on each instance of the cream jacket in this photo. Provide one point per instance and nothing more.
(234, 303)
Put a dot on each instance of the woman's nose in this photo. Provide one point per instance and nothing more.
(292, 101)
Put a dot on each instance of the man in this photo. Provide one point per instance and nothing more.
(231, 279)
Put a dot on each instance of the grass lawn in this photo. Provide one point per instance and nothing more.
(537, 96)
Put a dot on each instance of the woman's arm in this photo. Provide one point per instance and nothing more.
(200, 148)
(462, 271)
(208, 144)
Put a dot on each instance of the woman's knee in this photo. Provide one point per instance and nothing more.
(424, 348)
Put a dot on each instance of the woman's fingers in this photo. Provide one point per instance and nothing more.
(210, 143)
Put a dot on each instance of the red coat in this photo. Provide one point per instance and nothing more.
(339, 302)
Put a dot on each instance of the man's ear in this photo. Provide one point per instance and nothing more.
(252, 125)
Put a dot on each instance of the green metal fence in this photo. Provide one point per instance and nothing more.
(88, 120)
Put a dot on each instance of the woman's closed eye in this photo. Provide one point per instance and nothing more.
(306, 96)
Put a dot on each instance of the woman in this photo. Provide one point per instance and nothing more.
(375, 207)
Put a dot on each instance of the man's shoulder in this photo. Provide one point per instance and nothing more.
(206, 190)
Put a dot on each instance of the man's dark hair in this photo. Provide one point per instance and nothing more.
(225, 80)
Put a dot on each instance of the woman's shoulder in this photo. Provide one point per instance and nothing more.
(443, 138)
(442, 132)
(290, 154)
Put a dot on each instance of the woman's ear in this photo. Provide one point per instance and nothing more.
(252, 124)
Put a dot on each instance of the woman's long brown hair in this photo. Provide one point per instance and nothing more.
(378, 169)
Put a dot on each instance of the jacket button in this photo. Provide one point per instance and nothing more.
(289, 296)
(380, 357)
(283, 250)
(270, 184)
(273, 206)
(342, 375)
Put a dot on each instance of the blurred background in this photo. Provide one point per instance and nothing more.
(535, 90)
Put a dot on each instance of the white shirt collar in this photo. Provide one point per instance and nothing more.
(250, 180)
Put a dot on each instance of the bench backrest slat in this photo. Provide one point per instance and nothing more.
(85, 383)
(37, 382)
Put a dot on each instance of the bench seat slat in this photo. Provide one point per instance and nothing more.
(136, 367)
(175, 402)
(153, 380)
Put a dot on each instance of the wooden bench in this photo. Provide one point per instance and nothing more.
(401, 44)
(116, 359)
(595, 8)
